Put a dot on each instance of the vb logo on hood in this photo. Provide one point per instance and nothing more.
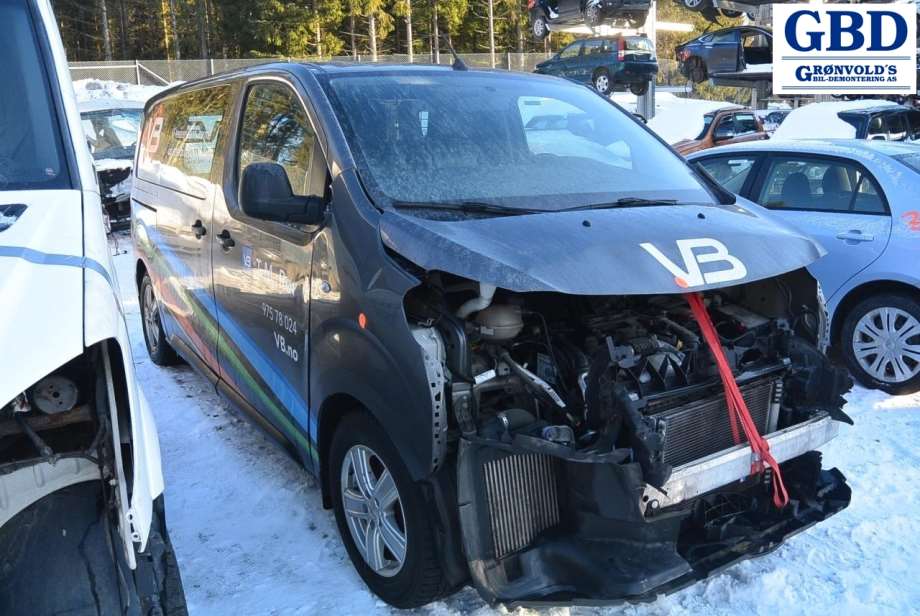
(695, 252)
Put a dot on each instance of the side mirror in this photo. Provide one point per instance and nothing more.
(265, 193)
(723, 133)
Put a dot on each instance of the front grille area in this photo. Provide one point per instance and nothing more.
(523, 499)
(694, 430)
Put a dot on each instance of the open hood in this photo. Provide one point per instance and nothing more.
(41, 277)
(619, 251)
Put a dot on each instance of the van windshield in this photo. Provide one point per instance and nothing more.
(31, 153)
(510, 141)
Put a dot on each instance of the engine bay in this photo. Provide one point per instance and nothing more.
(577, 423)
(627, 374)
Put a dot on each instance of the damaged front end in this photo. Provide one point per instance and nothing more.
(596, 457)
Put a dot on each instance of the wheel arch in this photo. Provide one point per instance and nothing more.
(863, 291)
(140, 269)
(329, 416)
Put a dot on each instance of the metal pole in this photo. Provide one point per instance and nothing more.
(491, 34)
(137, 72)
(646, 103)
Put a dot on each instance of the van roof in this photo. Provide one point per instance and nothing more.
(332, 68)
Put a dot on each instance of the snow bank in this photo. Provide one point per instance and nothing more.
(98, 89)
(820, 121)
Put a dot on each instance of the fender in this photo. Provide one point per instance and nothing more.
(104, 320)
(378, 364)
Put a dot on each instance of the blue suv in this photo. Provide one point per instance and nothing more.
(607, 63)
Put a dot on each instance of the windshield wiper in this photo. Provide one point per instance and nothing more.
(476, 207)
(621, 202)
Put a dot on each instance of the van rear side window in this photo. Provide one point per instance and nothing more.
(182, 133)
(31, 149)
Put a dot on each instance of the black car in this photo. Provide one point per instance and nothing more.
(885, 122)
(731, 54)
(111, 128)
(488, 310)
(612, 63)
(559, 15)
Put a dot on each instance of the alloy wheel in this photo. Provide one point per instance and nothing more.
(151, 319)
(886, 343)
(592, 16)
(373, 511)
(539, 27)
(601, 83)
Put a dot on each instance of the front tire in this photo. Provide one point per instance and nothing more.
(880, 342)
(160, 351)
(383, 516)
(601, 81)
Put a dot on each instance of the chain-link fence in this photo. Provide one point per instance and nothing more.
(162, 72)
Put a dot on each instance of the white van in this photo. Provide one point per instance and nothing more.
(81, 505)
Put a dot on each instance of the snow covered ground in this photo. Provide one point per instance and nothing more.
(252, 537)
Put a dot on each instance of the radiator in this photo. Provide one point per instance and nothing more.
(523, 499)
(696, 429)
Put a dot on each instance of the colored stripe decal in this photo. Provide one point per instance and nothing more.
(48, 258)
(250, 363)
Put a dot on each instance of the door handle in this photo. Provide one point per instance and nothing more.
(226, 241)
(199, 230)
(854, 236)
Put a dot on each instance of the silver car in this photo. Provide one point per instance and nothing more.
(859, 199)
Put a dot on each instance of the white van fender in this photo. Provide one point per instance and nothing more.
(103, 313)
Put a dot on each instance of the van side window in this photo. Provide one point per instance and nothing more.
(182, 133)
(276, 129)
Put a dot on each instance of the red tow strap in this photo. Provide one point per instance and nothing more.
(737, 408)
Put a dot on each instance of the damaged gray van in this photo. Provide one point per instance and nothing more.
(519, 340)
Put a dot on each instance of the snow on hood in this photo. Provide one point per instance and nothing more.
(677, 119)
(603, 252)
(820, 120)
(41, 279)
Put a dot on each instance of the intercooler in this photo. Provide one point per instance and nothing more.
(696, 429)
(523, 499)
